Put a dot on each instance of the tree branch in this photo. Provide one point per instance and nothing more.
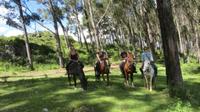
(104, 12)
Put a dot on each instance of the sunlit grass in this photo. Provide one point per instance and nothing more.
(54, 94)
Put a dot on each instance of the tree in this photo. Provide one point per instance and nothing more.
(56, 35)
(169, 40)
(91, 18)
(18, 2)
(52, 10)
(25, 20)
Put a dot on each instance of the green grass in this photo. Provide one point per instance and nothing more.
(54, 94)
(9, 68)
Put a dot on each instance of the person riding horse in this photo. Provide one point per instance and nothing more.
(124, 59)
(147, 55)
(101, 58)
(74, 57)
(75, 69)
(127, 67)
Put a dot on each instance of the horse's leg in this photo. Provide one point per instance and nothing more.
(74, 77)
(146, 80)
(154, 82)
(128, 75)
(150, 80)
(131, 75)
(103, 76)
(69, 78)
(107, 78)
(127, 78)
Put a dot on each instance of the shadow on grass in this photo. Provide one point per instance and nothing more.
(55, 95)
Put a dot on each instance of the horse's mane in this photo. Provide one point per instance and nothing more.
(130, 56)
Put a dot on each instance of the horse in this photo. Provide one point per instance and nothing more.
(102, 69)
(149, 74)
(75, 70)
(128, 69)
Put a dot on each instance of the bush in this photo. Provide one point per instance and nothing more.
(179, 106)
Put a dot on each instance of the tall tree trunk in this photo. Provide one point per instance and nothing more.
(198, 48)
(186, 57)
(179, 38)
(81, 31)
(65, 32)
(94, 30)
(149, 38)
(169, 35)
(56, 35)
(89, 26)
(28, 51)
(79, 35)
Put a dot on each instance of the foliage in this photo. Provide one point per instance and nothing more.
(180, 106)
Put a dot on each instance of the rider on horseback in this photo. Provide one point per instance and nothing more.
(124, 57)
(147, 55)
(102, 56)
(74, 57)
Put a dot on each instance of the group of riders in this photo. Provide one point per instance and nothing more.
(102, 57)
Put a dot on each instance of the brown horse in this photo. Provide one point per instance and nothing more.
(129, 68)
(103, 69)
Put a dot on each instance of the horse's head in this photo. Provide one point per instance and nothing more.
(146, 66)
(130, 57)
(75, 68)
(104, 67)
(129, 62)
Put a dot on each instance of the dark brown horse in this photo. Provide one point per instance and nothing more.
(75, 70)
(129, 68)
(102, 69)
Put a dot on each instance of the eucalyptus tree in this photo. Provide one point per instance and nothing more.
(89, 5)
(51, 7)
(19, 20)
(187, 22)
(74, 8)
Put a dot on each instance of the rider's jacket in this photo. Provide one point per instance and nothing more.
(147, 56)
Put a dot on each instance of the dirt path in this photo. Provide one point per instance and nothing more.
(48, 73)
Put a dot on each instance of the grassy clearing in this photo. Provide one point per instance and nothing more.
(54, 95)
